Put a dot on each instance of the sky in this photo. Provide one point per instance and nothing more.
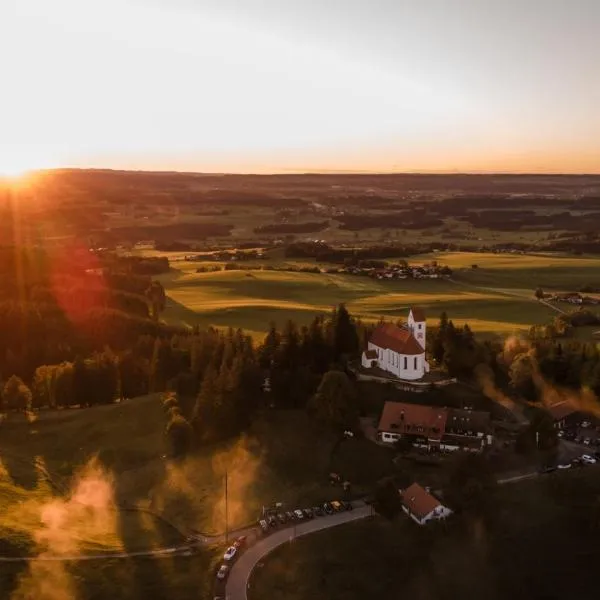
(301, 85)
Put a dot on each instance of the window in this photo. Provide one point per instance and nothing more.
(405, 362)
(420, 325)
(415, 363)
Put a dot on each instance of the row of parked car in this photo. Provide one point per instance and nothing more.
(579, 437)
(230, 555)
(277, 519)
(584, 459)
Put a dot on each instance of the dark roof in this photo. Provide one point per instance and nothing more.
(371, 354)
(468, 420)
(399, 417)
(396, 338)
(560, 410)
(419, 501)
(418, 313)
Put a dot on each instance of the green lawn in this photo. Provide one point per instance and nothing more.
(540, 541)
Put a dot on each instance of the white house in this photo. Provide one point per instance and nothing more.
(399, 350)
(421, 506)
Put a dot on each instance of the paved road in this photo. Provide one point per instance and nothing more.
(237, 583)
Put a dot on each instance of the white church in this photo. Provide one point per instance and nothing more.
(399, 350)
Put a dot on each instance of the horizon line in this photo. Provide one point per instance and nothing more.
(324, 172)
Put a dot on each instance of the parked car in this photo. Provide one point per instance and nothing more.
(308, 513)
(347, 505)
(222, 572)
(336, 505)
(585, 424)
(290, 515)
(317, 511)
(328, 508)
(564, 466)
(586, 441)
(264, 525)
(299, 514)
(240, 542)
(272, 521)
(230, 553)
(282, 518)
(586, 459)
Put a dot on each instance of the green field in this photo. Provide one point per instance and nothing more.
(283, 458)
(495, 298)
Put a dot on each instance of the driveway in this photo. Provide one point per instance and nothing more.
(237, 584)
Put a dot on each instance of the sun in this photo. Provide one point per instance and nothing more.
(12, 170)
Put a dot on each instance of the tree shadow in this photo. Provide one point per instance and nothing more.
(21, 471)
(146, 572)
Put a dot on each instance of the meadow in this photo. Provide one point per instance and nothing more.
(495, 298)
(119, 450)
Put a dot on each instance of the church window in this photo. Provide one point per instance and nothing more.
(415, 362)
(405, 362)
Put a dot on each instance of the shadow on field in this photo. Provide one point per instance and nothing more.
(146, 573)
(19, 470)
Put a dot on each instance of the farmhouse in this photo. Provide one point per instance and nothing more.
(399, 350)
(435, 428)
(421, 506)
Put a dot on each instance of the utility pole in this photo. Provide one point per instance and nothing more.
(226, 512)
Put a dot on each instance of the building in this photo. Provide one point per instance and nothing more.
(435, 428)
(421, 506)
(565, 415)
(422, 425)
(399, 350)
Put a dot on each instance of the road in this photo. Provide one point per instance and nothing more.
(237, 583)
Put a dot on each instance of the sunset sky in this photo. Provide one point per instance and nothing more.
(278, 85)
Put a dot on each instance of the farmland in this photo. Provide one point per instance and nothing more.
(494, 298)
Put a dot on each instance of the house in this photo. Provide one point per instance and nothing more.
(399, 350)
(422, 425)
(564, 414)
(435, 428)
(421, 506)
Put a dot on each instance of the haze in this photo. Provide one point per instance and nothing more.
(298, 85)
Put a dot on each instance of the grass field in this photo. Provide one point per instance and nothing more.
(283, 458)
(495, 298)
(41, 467)
(538, 543)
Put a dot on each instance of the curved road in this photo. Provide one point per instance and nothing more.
(237, 583)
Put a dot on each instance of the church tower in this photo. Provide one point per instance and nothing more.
(417, 324)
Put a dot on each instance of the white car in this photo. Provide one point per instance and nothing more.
(231, 552)
(222, 572)
(564, 466)
(299, 514)
(587, 459)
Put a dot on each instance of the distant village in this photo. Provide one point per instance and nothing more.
(573, 298)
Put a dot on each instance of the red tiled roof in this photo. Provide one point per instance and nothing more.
(560, 410)
(398, 417)
(396, 338)
(418, 313)
(371, 354)
(419, 501)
